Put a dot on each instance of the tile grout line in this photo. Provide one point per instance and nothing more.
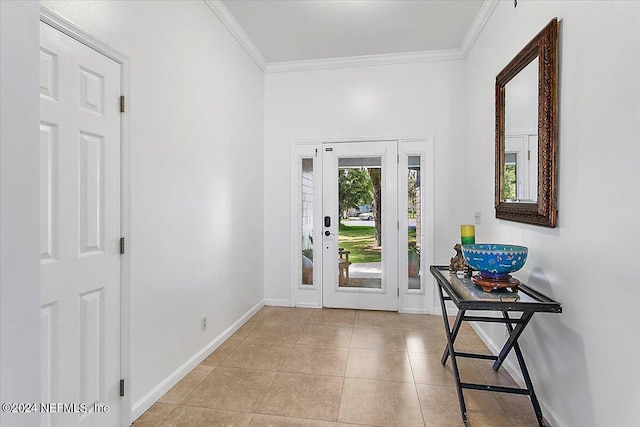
(344, 379)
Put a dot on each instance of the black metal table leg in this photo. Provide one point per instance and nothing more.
(454, 334)
(460, 291)
(514, 334)
(454, 364)
(525, 374)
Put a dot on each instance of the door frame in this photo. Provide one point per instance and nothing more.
(66, 27)
(421, 301)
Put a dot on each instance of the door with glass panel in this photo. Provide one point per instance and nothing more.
(360, 225)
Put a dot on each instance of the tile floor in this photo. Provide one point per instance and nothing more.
(312, 367)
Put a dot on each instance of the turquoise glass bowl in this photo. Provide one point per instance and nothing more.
(495, 261)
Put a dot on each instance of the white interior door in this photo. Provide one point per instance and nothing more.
(80, 231)
(367, 283)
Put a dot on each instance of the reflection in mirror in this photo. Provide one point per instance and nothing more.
(521, 136)
(527, 132)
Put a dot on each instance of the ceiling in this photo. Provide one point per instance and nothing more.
(299, 30)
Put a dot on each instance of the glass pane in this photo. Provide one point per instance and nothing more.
(414, 221)
(510, 176)
(360, 229)
(307, 221)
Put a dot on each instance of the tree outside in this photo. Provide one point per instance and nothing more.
(510, 182)
(357, 187)
(354, 189)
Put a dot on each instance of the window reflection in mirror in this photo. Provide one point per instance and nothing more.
(521, 136)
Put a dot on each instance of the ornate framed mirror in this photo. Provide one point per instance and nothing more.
(527, 132)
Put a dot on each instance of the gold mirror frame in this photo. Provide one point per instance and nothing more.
(544, 46)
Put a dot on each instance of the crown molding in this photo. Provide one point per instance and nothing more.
(237, 32)
(483, 15)
(366, 60)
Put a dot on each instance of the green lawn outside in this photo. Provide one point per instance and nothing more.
(359, 241)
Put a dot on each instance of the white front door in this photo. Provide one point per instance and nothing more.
(80, 232)
(366, 279)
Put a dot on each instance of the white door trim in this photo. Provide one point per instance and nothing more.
(304, 295)
(423, 301)
(63, 25)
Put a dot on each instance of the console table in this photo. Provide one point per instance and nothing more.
(468, 297)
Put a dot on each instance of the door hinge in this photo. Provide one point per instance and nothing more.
(529, 155)
(122, 388)
(398, 292)
(398, 158)
(122, 246)
(316, 152)
(122, 104)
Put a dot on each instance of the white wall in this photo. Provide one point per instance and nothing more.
(422, 99)
(196, 111)
(19, 204)
(584, 362)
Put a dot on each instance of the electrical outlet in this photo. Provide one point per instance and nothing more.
(203, 324)
(477, 217)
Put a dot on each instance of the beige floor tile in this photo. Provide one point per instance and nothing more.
(468, 371)
(333, 317)
(467, 329)
(334, 336)
(289, 315)
(427, 369)
(482, 401)
(186, 416)
(145, 424)
(262, 314)
(277, 332)
(439, 405)
(377, 319)
(518, 409)
(464, 329)
(378, 339)
(188, 384)
(425, 341)
(470, 343)
(245, 330)
(331, 367)
(501, 378)
(232, 389)
(421, 322)
(156, 414)
(221, 353)
(258, 355)
(303, 396)
(379, 365)
(484, 419)
(260, 420)
(311, 359)
(380, 403)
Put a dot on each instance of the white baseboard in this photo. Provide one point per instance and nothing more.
(549, 414)
(277, 302)
(413, 311)
(308, 305)
(142, 405)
